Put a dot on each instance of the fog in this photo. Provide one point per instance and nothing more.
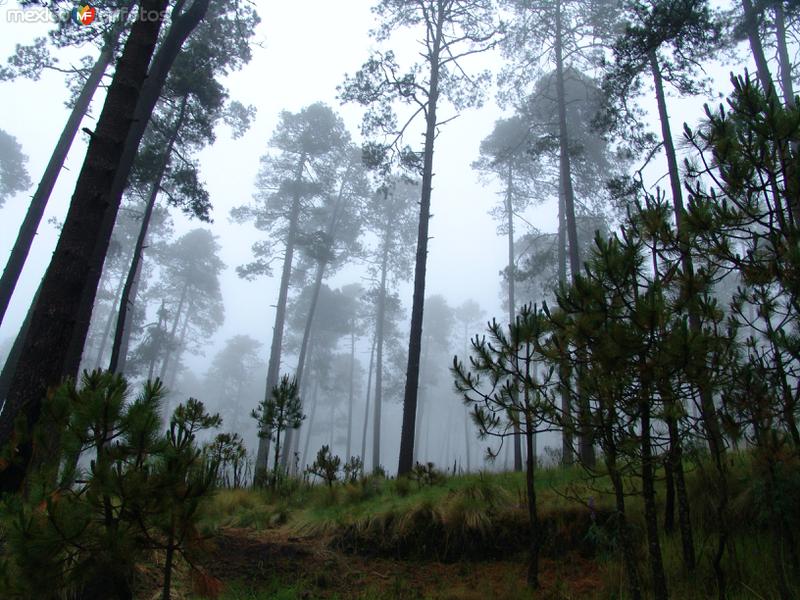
(301, 53)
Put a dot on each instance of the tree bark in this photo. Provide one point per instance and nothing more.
(351, 385)
(56, 323)
(783, 55)
(406, 459)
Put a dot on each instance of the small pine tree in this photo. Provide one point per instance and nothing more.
(282, 410)
(326, 466)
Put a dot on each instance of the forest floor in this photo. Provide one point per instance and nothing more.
(249, 564)
(276, 563)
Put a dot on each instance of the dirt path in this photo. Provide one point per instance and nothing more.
(258, 557)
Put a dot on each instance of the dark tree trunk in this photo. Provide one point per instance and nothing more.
(127, 329)
(273, 370)
(650, 511)
(533, 517)
(106, 334)
(10, 365)
(406, 460)
(126, 302)
(55, 325)
(27, 231)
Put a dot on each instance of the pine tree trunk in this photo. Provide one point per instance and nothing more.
(27, 231)
(55, 326)
(273, 370)
(379, 334)
(567, 457)
(366, 404)
(650, 511)
(783, 54)
(101, 349)
(406, 458)
(351, 385)
(128, 327)
(756, 47)
(126, 300)
(314, 399)
(586, 446)
(530, 488)
(512, 304)
(171, 348)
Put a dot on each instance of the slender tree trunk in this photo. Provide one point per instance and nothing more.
(180, 347)
(171, 348)
(756, 47)
(512, 304)
(273, 370)
(406, 460)
(586, 446)
(27, 231)
(567, 457)
(55, 326)
(351, 385)
(127, 330)
(783, 54)
(650, 511)
(379, 333)
(530, 469)
(126, 300)
(366, 404)
(101, 350)
(165, 595)
(314, 399)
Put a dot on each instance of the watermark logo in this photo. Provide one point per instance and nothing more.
(84, 14)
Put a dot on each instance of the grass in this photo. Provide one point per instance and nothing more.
(480, 516)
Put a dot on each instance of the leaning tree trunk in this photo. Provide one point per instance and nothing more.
(27, 231)
(273, 369)
(406, 460)
(171, 348)
(55, 321)
(126, 301)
